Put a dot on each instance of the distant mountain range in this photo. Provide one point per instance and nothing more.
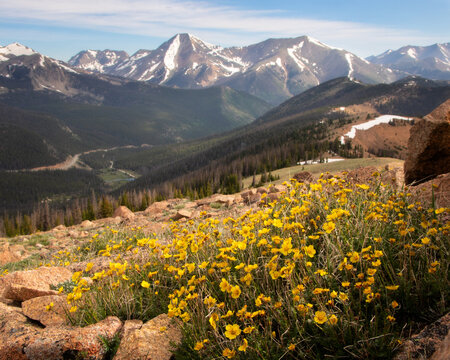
(432, 61)
(59, 110)
(273, 70)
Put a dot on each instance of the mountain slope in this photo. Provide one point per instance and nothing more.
(273, 70)
(103, 111)
(298, 128)
(432, 61)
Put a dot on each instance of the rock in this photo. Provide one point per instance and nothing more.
(25, 285)
(250, 197)
(190, 205)
(151, 342)
(304, 177)
(228, 200)
(129, 326)
(274, 196)
(123, 212)
(270, 197)
(87, 224)
(157, 208)
(278, 188)
(183, 213)
(62, 227)
(254, 198)
(262, 190)
(20, 340)
(9, 254)
(429, 146)
(438, 187)
(432, 342)
(35, 309)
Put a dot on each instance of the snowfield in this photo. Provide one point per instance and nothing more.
(383, 119)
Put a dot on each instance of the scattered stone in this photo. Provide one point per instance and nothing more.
(87, 224)
(190, 205)
(183, 213)
(25, 285)
(278, 188)
(157, 208)
(433, 339)
(261, 190)
(11, 253)
(304, 177)
(60, 228)
(36, 309)
(429, 146)
(123, 212)
(152, 341)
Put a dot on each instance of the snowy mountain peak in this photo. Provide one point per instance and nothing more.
(16, 49)
(274, 69)
(428, 61)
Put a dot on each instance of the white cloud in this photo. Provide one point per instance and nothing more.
(225, 25)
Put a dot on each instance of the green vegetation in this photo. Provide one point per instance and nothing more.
(20, 148)
(333, 269)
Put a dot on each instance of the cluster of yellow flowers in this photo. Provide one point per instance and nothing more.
(328, 258)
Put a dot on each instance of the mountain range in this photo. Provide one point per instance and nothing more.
(273, 70)
(62, 110)
(431, 62)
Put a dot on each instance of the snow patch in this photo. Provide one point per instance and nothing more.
(93, 53)
(291, 51)
(278, 62)
(412, 53)
(169, 58)
(383, 119)
(348, 57)
(42, 61)
(317, 42)
(231, 69)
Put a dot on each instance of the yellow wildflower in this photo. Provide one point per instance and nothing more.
(229, 353)
(232, 331)
(320, 317)
(244, 346)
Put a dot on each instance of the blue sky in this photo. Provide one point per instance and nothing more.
(61, 28)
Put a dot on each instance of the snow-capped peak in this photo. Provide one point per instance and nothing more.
(319, 43)
(16, 49)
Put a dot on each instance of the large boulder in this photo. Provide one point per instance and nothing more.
(123, 212)
(182, 214)
(429, 146)
(25, 285)
(157, 208)
(21, 340)
(433, 342)
(437, 190)
(49, 310)
(150, 341)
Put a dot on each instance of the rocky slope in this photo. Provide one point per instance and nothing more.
(33, 320)
(273, 70)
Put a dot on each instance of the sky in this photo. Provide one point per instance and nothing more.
(62, 28)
